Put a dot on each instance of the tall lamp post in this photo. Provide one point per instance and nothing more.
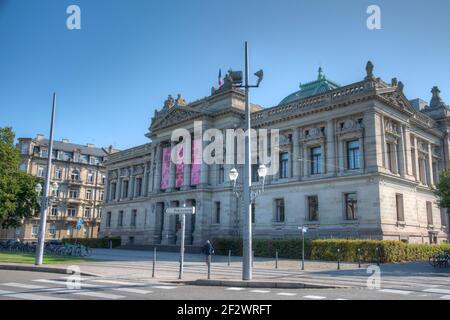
(247, 183)
(45, 198)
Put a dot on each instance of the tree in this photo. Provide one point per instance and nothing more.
(442, 190)
(18, 198)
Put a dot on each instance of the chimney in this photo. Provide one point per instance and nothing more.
(39, 136)
(65, 140)
(90, 145)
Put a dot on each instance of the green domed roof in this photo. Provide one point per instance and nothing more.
(321, 85)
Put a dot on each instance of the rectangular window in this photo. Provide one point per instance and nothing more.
(389, 156)
(217, 212)
(353, 155)
(313, 208)
(69, 231)
(73, 194)
(284, 165)
(279, 210)
(36, 150)
(108, 219)
(87, 212)
(316, 160)
(41, 172)
(54, 211)
(24, 148)
(88, 194)
(113, 190)
(44, 153)
(133, 217)
(75, 175)
(350, 206)
(102, 195)
(71, 212)
(429, 213)
(255, 177)
(399, 206)
(58, 173)
(90, 177)
(138, 187)
(125, 189)
(35, 230)
(52, 230)
(120, 219)
(221, 178)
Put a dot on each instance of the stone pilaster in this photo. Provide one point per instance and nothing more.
(330, 152)
(295, 153)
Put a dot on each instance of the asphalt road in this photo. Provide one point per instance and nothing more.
(23, 285)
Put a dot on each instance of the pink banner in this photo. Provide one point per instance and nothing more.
(179, 176)
(196, 166)
(165, 168)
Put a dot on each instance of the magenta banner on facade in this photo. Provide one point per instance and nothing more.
(179, 176)
(196, 166)
(165, 168)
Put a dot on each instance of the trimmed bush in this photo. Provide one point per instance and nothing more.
(96, 243)
(327, 250)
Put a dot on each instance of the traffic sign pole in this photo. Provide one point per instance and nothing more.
(183, 226)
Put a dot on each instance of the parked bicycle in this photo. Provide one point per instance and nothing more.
(440, 259)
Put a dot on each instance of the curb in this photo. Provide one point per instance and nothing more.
(260, 284)
(41, 269)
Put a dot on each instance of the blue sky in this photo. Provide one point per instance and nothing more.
(130, 54)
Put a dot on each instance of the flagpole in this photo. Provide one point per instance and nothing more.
(45, 198)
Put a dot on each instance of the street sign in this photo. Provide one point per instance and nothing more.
(181, 210)
(304, 229)
(79, 223)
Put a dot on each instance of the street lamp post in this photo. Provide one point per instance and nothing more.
(252, 195)
(46, 198)
(304, 230)
(247, 183)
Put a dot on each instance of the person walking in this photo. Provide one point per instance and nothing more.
(208, 249)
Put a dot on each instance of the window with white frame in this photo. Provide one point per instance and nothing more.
(87, 212)
(75, 176)
(88, 194)
(58, 173)
(73, 194)
(35, 230)
(71, 212)
(90, 177)
(52, 229)
(54, 211)
(40, 172)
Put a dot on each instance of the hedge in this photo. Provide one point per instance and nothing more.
(96, 243)
(327, 250)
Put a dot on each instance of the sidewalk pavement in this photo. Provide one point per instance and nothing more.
(127, 264)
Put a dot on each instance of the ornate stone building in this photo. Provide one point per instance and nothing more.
(80, 174)
(356, 161)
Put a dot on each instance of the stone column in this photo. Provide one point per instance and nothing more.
(295, 153)
(361, 154)
(401, 153)
(416, 159)
(407, 147)
(107, 187)
(168, 235)
(305, 161)
(330, 153)
(204, 176)
(383, 144)
(341, 155)
(144, 186)
(430, 165)
(172, 171)
(157, 174)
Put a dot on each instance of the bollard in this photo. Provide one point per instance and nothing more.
(276, 259)
(378, 255)
(339, 259)
(154, 262)
(359, 257)
(209, 267)
(229, 257)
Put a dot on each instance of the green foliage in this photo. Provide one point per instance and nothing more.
(442, 190)
(327, 250)
(95, 243)
(18, 198)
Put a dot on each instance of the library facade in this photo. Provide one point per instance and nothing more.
(355, 161)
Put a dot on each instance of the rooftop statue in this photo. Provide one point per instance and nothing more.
(180, 101)
(369, 69)
(169, 103)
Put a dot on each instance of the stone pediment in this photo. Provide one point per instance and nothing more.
(398, 99)
(173, 116)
